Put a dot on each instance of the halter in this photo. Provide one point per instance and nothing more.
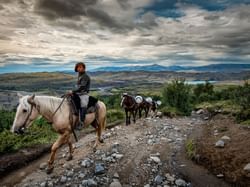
(27, 118)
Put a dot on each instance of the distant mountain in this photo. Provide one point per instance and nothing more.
(222, 67)
(156, 67)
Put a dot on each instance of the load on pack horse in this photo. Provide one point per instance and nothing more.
(148, 105)
(130, 106)
(154, 107)
(144, 104)
(59, 112)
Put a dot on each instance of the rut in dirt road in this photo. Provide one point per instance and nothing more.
(136, 155)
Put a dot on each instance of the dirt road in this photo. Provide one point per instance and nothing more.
(148, 153)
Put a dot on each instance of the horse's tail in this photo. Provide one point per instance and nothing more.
(102, 114)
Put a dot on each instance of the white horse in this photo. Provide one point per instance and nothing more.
(30, 107)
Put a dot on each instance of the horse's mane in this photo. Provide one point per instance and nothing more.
(48, 104)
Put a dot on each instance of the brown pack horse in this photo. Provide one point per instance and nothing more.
(144, 105)
(130, 106)
(30, 107)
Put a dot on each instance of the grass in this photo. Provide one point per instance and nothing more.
(226, 106)
(39, 133)
(170, 112)
(190, 148)
(114, 115)
(246, 123)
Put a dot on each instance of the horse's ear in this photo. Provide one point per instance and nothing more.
(31, 99)
(19, 95)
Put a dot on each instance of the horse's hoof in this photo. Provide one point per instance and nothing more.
(101, 141)
(94, 149)
(49, 170)
(69, 158)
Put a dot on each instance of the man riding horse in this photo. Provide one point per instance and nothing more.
(83, 85)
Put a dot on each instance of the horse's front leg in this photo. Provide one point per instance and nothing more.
(71, 150)
(126, 112)
(133, 116)
(61, 140)
(98, 135)
(136, 110)
(129, 115)
(146, 112)
(140, 110)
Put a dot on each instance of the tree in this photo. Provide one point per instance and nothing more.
(177, 94)
(204, 92)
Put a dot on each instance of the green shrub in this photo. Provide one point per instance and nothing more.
(205, 97)
(242, 96)
(246, 123)
(177, 95)
(243, 115)
(226, 94)
(206, 88)
(111, 101)
(39, 133)
(114, 115)
(6, 119)
(190, 149)
(170, 112)
(204, 92)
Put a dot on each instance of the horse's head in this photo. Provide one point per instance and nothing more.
(26, 113)
(123, 97)
(128, 101)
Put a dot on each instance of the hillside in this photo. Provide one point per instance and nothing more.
(156, 67)
(63, 81)
(102, 83)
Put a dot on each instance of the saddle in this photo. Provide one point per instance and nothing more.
(75, 104)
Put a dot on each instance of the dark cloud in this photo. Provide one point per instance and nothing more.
(20, 2)
(73, 9)
(75, 25)
(233, 39)
(244, 14)
(102, 17)
(2, 37)
(124, 4)
(211, 17)
(148, 20)
(54, 9)
(5, 1)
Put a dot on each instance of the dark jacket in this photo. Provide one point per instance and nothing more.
(83, 84)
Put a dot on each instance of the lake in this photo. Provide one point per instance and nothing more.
(199, 82)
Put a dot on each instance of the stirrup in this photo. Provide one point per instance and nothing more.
(79, 125)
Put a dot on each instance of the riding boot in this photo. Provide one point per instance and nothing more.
(82, 113)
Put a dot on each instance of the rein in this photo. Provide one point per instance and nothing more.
(70, 117)
(64, 97)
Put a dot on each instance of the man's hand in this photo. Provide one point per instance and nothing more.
(69, 93)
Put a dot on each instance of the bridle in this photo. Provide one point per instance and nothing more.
(34, 105)
(27, 118)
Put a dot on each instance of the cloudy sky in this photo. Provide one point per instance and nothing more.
(38, 35)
